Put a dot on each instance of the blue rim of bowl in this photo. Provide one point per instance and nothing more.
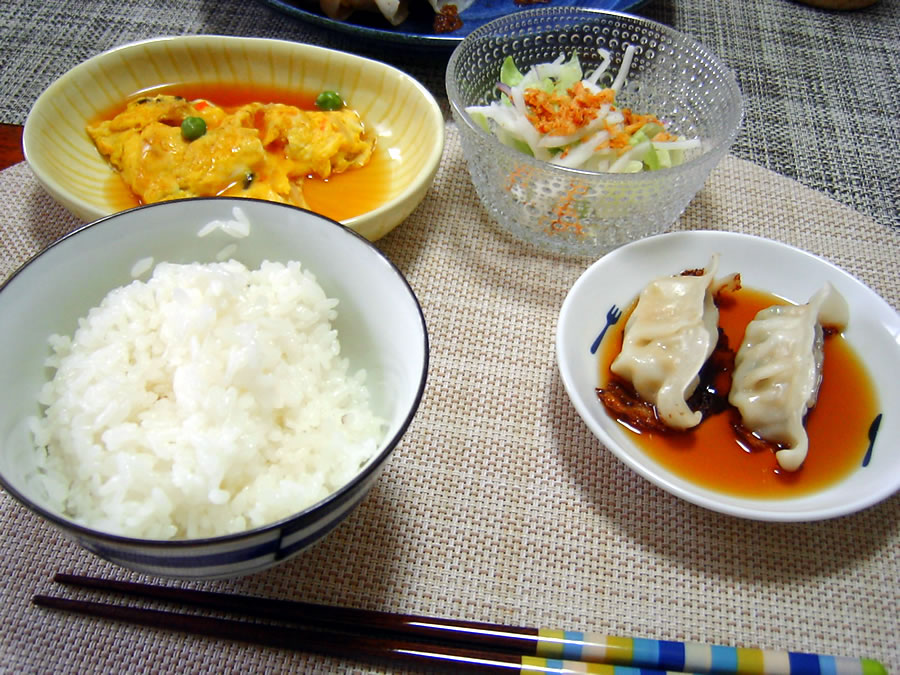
(488, 30)
(289, 524)
(416, 31)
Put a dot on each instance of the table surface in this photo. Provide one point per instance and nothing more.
(500, 505)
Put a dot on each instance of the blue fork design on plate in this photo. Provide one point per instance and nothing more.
(873, 432)
(612, 316)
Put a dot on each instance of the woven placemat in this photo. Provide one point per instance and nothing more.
(499, 505)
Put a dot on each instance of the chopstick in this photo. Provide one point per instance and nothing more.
(431, 656)
(307, 640)
(442, 642)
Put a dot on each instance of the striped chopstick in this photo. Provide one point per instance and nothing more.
(532, 648)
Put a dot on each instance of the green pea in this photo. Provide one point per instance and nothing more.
(193, 128)
(329, 100)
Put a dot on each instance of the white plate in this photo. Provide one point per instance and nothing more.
(873, 332)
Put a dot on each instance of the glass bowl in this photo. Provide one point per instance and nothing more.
(577, 212)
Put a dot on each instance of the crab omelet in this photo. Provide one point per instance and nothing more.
(261, 150)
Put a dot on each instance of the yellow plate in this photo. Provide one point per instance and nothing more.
(406, 118)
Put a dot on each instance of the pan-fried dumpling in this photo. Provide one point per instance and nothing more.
(778, 370)
(668, 337)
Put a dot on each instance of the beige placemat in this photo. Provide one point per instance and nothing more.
(500, 505)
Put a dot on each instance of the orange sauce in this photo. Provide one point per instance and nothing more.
(340, 196)
(711, 454)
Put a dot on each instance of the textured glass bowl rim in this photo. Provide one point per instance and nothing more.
(490, 29)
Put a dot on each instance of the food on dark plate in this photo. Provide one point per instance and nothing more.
(778, 370)
(167, 147)
(396, 11)
(447, 20)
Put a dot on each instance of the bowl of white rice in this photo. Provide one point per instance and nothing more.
(204, 388)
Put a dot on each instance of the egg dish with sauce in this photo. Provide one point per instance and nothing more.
(167, 147)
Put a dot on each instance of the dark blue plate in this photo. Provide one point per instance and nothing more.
(417, 30)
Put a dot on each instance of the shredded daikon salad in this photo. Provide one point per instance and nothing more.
(557, 114)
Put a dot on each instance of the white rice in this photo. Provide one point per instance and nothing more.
(226, 252)
(141, 267)
(237, 227)
(207, 400)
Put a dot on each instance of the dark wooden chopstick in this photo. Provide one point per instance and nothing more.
(498, 638)
(437, 642)
(306, 640)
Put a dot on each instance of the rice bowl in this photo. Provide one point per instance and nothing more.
(382, 339)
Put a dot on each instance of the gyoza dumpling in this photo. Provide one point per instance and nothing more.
(778, 370)
(669, 336)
